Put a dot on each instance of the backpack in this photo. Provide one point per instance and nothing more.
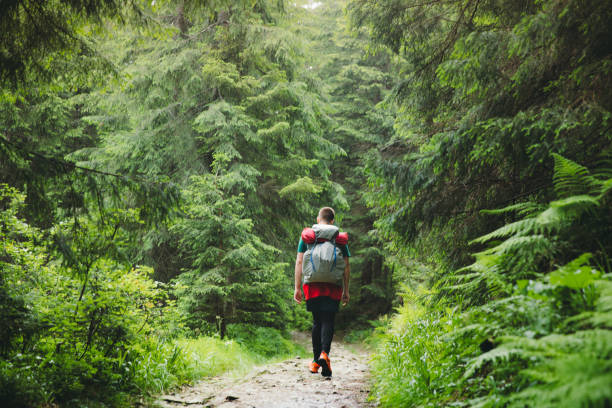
(323, 261)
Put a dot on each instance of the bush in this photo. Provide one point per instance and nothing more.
(70, 329)
(19, 386)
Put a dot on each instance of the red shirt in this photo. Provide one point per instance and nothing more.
(316, 289)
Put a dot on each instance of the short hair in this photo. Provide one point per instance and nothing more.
(327, 213)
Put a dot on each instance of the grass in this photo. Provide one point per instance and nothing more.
(164, 366)
(210, 356)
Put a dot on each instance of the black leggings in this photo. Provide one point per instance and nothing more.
(322, 332)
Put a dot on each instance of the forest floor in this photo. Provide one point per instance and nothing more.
(286, 384)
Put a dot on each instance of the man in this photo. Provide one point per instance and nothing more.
(322, 299)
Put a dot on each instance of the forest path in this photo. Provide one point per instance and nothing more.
(287, 384)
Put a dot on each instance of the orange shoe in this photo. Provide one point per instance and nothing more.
(314, 367)
(325, 364)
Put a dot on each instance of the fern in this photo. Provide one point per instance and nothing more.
(523, 209)
(495, 356)
(520, 227)
(549, 220)
(606, 187)
(552, 330)
(533, 244)
(580, 376)
(528, 242)
(561, 212)
(601, 317)
(571, 178)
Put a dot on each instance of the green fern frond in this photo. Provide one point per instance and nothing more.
(606, 187)
(604, 302)
(478, 329)
(523, 209)
(550, 348)
(600, 320)
(495, 356)
(484, 273)
(533, 245)
(553, 345)
(580, 377)
(520, 227)
(564, 211)
(571, 178)
(603, 166)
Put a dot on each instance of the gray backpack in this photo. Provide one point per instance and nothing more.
(323, 261)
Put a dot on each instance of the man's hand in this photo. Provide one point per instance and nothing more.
(297, 295)
(345, 297)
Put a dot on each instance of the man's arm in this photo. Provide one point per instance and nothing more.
(297, 294)
(345, 279)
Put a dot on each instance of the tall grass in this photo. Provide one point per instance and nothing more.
(415, 363)
(161, 366)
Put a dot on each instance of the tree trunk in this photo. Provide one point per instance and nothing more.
(181, 22)
(222, 323)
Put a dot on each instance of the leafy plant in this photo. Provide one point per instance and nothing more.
(530, 333)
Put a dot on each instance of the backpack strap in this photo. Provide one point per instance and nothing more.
(314, 269)
(312, 247)
(335, 256)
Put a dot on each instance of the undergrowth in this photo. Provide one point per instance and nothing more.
(122, 338)
(528, 324)
(166, 365)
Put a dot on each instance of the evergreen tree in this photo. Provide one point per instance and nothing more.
(233, 276)
(489, 90)
(231, 84)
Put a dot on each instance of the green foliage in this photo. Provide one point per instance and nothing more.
(162, 366)
(541, 236)
(233, 277)
(92, 330)
(211, 102)
(31, 31)
(530, 333)
(264, 341)
(228, 84)
(190, 145)
(76, 326)
(303, 185)
(487, 93)
(416, 364)
(354, 83)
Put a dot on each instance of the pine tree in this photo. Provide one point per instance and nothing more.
(233, 276)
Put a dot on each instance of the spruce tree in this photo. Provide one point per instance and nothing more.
(233, 276)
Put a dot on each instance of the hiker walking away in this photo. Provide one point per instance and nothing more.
(322, 270)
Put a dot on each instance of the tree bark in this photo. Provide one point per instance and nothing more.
(181, 21)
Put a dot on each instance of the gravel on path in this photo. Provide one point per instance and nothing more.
(287, 384)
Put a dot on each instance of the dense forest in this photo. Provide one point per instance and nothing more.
(159, 160)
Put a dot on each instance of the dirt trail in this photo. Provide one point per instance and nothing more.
(287, 384)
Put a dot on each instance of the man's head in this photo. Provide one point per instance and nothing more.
(326, 215)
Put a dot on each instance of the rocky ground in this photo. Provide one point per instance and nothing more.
(286, 384)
